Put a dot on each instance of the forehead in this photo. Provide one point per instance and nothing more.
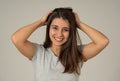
(60, 22)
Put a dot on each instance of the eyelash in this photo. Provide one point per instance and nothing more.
(63, 29)
(66, 29)
(55, 28)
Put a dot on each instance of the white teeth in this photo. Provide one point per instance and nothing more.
(58, 39)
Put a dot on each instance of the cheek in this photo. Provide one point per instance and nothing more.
(67, 35)
(51, 32)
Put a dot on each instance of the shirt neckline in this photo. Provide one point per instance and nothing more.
(52, 53)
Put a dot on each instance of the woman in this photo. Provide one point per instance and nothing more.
(59, 58)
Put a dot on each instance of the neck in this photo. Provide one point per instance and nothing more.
(56, 50)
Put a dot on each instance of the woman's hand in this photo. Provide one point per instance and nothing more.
(44, 18)
(77, 19)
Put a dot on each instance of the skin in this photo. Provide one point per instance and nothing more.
(20, 38)
(98, 40)
(59, 33)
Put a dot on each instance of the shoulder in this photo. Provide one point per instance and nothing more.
(38, 47)
(80, 47)
(39, 51)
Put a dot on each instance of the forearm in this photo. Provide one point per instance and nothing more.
(99, 40)
(24, 33)
(96, 36)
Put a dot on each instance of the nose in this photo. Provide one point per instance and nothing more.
(59, 33)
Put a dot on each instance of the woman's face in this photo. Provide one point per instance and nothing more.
(59, 31)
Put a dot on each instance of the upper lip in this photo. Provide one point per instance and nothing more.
(58, 38)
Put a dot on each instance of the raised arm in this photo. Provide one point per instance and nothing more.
(20, 37)
(99, 40)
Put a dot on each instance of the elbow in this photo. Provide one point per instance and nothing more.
(14, 39)
(105, 42)
(108, 41)
(17, 41)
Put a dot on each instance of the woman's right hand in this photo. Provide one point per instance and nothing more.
(44, 18)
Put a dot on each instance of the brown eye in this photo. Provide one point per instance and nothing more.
(66, 29)
(55, 27)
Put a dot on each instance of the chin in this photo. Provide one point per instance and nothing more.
(58, 44)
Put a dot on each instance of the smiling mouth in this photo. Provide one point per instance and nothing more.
(58, 39)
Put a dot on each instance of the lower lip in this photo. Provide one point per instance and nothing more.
(58, 40)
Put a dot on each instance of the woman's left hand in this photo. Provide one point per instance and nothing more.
(77, 19)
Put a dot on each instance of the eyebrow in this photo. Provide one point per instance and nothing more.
(54, 25)
(63, 27)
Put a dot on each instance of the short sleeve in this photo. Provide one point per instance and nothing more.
(38, 50)
(80, 47)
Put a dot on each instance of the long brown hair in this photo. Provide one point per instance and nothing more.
(70, 55)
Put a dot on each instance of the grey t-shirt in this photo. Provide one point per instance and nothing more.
(49, 68)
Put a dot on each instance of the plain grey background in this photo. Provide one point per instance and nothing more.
(103, 15)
